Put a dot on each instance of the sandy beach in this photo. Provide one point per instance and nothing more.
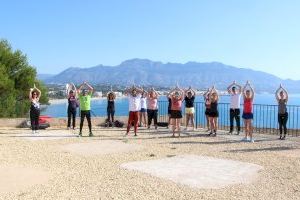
(99, 167)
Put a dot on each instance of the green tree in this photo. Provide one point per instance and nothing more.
(16, 78)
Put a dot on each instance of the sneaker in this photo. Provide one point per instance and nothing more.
(210, 133)
(280, 137)
(80, 134)
(283, 138)
(238, 133)
(245, 139)
(230, 133)
(135, 134)
(33, 132)
(252, 141)
(91, 134)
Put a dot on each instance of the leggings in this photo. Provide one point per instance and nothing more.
(34, 119)
(282, 120)
(235, 114)
(133, 118)
(152, 114)
(87, 114)
(71, 114)
(110, 114)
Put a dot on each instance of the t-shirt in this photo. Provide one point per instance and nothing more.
(235, 102)
(143, 103)
(176, 104)
(152, 103)
(134, 102)
(189, 102)
(85, 101)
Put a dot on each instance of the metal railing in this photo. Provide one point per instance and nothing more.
(265, 117)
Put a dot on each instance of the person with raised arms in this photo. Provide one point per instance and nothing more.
(85, 96)
(282, 98)
(111, 96)
(134, 97)
(235, 91)
(189, 99)
(143, 111)
(72, 105)
(214, 112)
(34, 97)
(152, 107)
(206, 97)
(248, 94)
(176, 96)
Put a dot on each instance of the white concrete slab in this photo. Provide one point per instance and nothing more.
(100, 147)
(198, 171)
(15, 178)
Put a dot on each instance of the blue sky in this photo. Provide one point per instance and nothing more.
(56, 34)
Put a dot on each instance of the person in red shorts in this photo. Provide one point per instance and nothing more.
(134, 97)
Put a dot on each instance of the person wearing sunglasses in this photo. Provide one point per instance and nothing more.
(34, 97)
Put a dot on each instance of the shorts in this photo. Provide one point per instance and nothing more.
(213, 114)
(176, 114)
(207, 111)
(143, 110)
(247, 116)
(190, 110)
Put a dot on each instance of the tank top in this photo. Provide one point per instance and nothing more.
(282, 106)
(143, 103)
(189, 102)
(176, 104)
(214, 106)
(248, 105)
(152, 103)
(207, 103)
(111, 104)
(35, 105)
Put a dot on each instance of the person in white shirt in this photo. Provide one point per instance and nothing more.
(134, 97)
(235, 90)
(143, 110)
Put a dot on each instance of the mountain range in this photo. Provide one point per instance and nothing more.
(147, 72)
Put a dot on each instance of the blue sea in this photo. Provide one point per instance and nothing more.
(265, 110)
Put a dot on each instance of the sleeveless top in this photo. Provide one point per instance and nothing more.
(110, 104)
(214, 106)
(282, 106)
(207, 103)
(35, 105)
(248, 105)
(144, 103)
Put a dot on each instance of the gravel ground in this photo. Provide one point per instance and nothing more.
(75, 176)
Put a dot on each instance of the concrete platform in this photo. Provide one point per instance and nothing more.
(198, 171)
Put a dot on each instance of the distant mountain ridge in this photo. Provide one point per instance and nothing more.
(147, 72)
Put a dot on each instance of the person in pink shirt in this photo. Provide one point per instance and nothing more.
(152, 107)
(176, 96)
(248, 95)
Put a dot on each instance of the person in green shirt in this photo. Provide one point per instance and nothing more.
(85, 96)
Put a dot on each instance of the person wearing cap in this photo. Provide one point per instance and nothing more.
(85, 96)
(235, 91)
(134, 97)
(72, 105)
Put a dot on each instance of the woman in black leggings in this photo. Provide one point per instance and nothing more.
(282, 99)
(34, 97)
(111, 96)
(72, 105)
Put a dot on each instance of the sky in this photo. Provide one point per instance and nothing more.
(262, 35)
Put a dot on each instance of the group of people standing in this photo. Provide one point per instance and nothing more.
(142, 102)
